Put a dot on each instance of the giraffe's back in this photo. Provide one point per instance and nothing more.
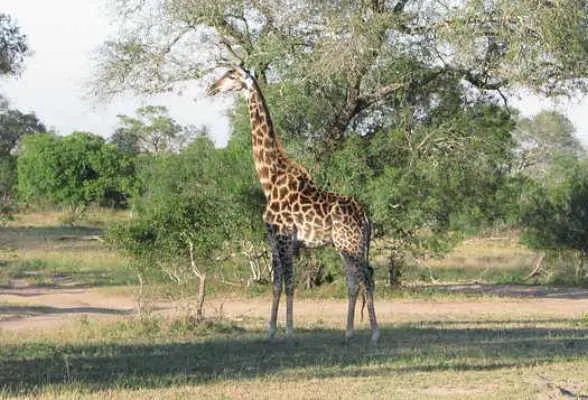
(316, 217)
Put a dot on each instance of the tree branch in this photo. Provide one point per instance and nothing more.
(480, 82)
(399, 7)
(379, 94)
(225, 42)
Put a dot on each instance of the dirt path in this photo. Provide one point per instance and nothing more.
(24, 308)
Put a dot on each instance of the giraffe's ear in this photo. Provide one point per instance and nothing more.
(252, 72)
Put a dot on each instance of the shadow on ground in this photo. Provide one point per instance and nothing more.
(7, 311)
(24, 238)
(515, 290)
(320, 353)
(52, 232)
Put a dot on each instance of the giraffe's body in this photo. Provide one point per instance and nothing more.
(298, 212)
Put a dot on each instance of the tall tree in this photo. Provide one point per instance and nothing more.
(13, 46)
(152, 131)
(403, 101)
(354, 61)
(13, 126)
(544, 140)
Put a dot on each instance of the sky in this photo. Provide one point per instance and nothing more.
(64, 36)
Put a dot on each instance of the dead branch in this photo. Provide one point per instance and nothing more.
(537, 269)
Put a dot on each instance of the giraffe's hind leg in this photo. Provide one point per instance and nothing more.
(360, 276)
(352, 292)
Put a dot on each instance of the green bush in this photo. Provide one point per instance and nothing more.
(73, 171)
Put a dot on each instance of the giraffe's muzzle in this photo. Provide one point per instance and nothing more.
(213, 89)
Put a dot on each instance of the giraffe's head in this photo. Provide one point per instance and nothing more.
(234, 80)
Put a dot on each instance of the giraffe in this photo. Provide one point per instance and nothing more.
(297, 212)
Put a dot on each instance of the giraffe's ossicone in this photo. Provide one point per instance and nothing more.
(298, 212)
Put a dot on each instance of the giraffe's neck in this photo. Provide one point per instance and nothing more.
(268, 155)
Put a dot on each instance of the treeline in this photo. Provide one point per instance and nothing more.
(399, 105)
(426, 186)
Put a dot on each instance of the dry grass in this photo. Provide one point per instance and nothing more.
(501, 252)
(494, 260)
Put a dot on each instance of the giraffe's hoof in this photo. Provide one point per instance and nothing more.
(289, 333)
(375, 336)
(271, 334)
(349, 335)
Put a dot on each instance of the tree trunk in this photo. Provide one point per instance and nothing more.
(581, 267)
(200, 297)
(394, 268)
(140, 294)
(201, 282)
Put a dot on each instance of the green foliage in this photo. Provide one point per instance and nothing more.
(161, 235)
(73, 171)
(7, 174)
(425, 184)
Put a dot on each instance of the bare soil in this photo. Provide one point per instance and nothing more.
(24, 307)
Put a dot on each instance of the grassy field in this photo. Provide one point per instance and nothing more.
(37, 249)
(436, 343)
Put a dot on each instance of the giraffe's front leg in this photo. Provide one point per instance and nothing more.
(277, 277)
(277, 291)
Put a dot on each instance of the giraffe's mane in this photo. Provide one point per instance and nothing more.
(281, 150)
